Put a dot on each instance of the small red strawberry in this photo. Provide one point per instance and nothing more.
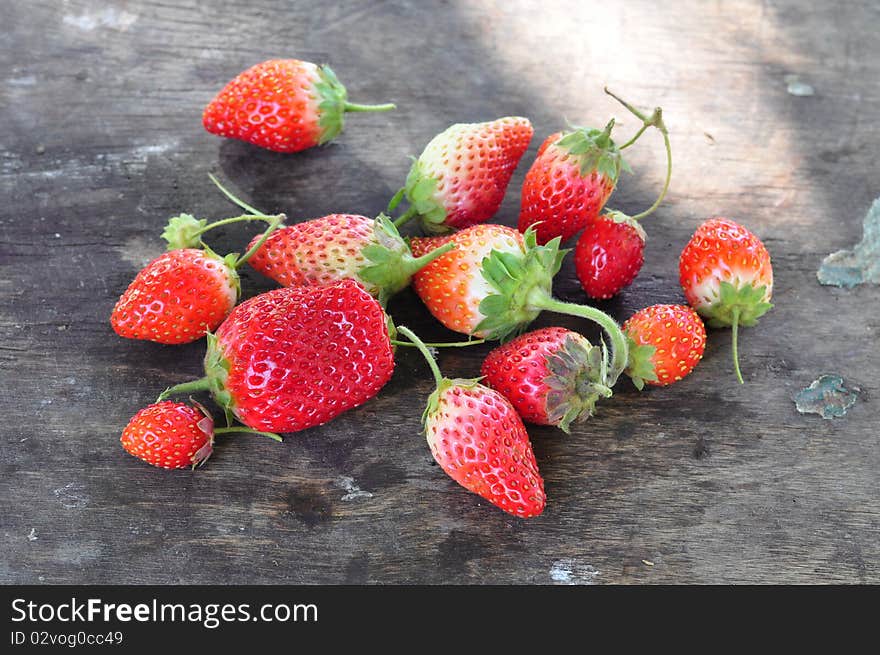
(296, 357)
(338, 247)
(174, 435)
(177, 297)
(461, 176)
(285, 105)
(496, 281)
(479, 440)
(611, 250)
(666, 342)
(609, 254)
(570, 181)
(186, 292)
(170, 435)
(727, 277)
(552, 376)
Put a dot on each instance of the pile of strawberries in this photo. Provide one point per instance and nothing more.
(302, 354)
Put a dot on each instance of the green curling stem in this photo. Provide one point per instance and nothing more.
(418, 343)
(735, 328)
(355, 107)
(245, 430)
(620, 348)
(406, 216)
(202, 384)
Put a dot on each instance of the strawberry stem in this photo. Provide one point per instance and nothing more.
(274, 223)
(415, 264)
(418, 343)
(202, 384)
(238, 428)
(453, 344)
(735, 328)
(406, 216)
(620, 350)
(238, 201)
(352, 106)
(235, 219)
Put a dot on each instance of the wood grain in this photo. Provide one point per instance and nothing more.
(100, 142)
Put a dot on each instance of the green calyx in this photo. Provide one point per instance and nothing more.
(184, 231)
(421, 193)
(334, 103)
(594, 151)
(577, 375)
(391, 263)
(516, 279)
(742, 305)
(735, 307)
(640, 365)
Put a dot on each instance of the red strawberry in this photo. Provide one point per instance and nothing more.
(726, 275)
(609, 254)
(178, 297)
(186, 292)
(285, 105)
(552, 376)
(476, 436)
(296, 357)
(666, 342)
(175, 435)
(461, 176)
(496, 281)
(569, 182)
(170, 435)
(341, 246)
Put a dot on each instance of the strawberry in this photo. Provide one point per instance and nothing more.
(177, 297)
(611, 250)
(341, 246)
(552, 376)
(285, 105)
(186, 292)
(479, 440)
(170, 435)
(496, 281)
(569, 182)
(666, 342)
(726, 275)
(296, 357)
(609, 254)
(460, 178)
(174, 435)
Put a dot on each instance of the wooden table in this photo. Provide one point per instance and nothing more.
(703, 482)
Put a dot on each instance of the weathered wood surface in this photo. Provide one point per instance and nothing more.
(100, 141)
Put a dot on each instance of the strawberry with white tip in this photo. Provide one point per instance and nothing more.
(727, 277)
(460, 178)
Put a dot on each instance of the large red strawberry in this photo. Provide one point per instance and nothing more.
(284, 105)
(186, 292)
(496, 281)
(666, 342)
(479, 440)
(460, 178)
(338, 247)
(174, 435)
(610, 251)
(296, 357)
(727, 277)
(552, 376)
(570, 181)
